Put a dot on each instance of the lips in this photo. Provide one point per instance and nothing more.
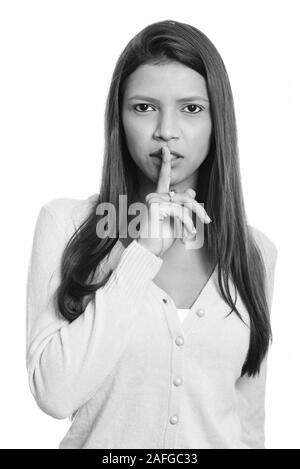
(158, 154)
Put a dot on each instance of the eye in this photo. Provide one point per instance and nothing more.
(193, 106)
(188, 106)
(141, 104)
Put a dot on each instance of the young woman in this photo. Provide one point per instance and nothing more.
(156, 341)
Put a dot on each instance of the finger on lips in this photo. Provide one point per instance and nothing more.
(163, 187)
(163, 184)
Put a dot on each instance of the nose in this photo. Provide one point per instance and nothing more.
(166, 128)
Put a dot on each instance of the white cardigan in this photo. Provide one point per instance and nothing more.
(133, 374)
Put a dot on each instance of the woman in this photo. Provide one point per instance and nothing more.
(156, 341)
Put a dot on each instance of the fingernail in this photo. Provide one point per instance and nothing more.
(207, 218)
(194, 230)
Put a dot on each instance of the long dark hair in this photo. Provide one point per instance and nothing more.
(229, 238)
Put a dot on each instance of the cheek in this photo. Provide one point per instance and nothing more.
(136, 143)
(200, 144)
(128, 127)
(135, 131)
(132, 121)
(202, 136)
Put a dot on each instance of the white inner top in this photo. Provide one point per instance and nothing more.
(182, 313)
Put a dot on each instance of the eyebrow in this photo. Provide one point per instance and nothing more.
(148, 98)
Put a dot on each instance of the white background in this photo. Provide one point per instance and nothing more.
(56, 60)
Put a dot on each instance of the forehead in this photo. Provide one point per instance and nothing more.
(173, 77)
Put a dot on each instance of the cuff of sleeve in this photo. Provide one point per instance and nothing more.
(136, 268)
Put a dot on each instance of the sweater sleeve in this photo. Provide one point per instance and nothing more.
(67, 362)
(251, 390)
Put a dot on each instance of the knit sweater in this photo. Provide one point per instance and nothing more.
(127, 372)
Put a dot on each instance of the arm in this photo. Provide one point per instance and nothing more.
(251, 390)
(68, 362)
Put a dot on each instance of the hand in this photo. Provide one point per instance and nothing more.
(159, 206)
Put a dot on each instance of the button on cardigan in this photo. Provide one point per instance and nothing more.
(127, 372)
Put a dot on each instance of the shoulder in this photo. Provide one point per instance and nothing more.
(68, 213)
(266, 245)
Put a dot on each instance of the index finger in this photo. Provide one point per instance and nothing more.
(164, 177)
